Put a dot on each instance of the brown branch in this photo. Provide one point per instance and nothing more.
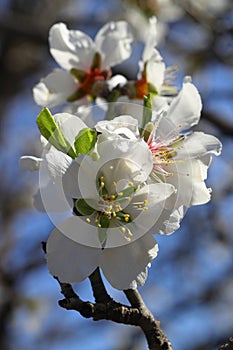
(156, 339)
(105, 308)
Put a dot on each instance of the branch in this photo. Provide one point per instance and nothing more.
(156, 339)
(105, 308)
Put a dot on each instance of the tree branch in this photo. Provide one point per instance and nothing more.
(156, 339)
(105, 308)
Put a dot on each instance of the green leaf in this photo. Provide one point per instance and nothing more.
(53, 133)
(85, 140)
(83, 208)
(147, 110)
(102, 231)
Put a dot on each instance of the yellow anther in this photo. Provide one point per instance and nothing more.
(139, 206)
(145, 208)
(130, 183)
(114, 214)
(120, 194)
(88, 220)
(96, 220)
(123, 229)
(113, 197)
(145, 201)
(128, 239)
(129, 199)
(99, 225)
(126, 218)
(114, 183)
(130, 233)
(102, 178)
(102, 184)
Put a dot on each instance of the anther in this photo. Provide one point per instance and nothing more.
(88, 220)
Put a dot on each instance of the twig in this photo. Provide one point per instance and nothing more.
(105, 308)
(156, 339)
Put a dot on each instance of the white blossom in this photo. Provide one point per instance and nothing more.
(83, 61)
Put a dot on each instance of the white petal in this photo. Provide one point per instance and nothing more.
(169, 221)
(149, 220)
(199, 144)
(71, 48)
(126, 159)
(30, 162)
(155, 69)
(70, 261)
(57, 162)
(123, 266)
(113, 41)
(54, 89)
(151, 39)
(185, 109)
(188, 178)
(78, 230)
(116, 80)
(70, 125)
(123, 125)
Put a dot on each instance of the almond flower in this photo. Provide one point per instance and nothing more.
(180, 157)
(111, 209)
(83, 60)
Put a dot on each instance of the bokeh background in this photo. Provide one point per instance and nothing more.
(190, 284)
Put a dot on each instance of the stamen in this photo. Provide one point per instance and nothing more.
(88, 220)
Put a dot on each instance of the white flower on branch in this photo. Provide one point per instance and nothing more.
(83, 60)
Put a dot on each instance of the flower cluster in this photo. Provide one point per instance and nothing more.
(109, 185)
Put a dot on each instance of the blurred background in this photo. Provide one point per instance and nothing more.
(190, 284)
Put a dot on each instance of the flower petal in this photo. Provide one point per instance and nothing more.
(151, 39)
(185, 109)
(199, 144)
(68, 260)
(71, 48)
(78, 230)
(30, 162)
(70, 125)
(54, 89)
(155, 69)
(113, 41)
(188, 178)
(124, 125)
(124, 267)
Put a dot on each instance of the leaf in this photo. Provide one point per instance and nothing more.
(85, 140)
(53, 133)
(83, 208)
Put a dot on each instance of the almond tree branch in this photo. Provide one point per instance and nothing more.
(105, 308)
